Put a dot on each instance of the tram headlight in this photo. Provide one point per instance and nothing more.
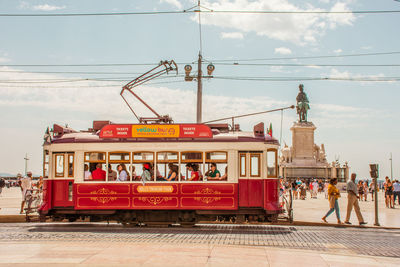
(210, 69)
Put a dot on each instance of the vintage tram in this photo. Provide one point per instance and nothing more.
(246, 190)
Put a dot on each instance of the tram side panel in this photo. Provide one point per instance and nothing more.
(155, 196)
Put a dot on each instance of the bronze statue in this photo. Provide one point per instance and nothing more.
(302, 104)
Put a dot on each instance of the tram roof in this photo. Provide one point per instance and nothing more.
(107, 132)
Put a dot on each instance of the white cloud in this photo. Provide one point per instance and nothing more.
(283, 51)
(175, 3)
(3, 59)
(366, 47)
(340, 19)
(337, 51)
(47, 7)
(336, 74)
(296, 28)
(232, 35)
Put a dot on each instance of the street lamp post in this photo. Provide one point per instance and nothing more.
(198, 78)
(374, 171)
(26, 163)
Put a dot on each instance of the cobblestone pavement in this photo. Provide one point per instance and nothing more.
(372, 242)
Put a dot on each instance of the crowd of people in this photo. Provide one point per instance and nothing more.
(122, 174)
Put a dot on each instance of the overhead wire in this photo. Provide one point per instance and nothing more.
(307, 57)
(200, 11)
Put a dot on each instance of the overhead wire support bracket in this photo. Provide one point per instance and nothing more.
(166, 67)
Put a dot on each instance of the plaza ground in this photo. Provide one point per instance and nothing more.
(95, 244)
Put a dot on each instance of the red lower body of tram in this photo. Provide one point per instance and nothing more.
(247, 200)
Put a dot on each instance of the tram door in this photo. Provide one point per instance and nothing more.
(250, 180)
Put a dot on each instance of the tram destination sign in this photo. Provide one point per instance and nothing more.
(156, 131)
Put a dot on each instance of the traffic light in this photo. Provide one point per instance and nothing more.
(374, 170)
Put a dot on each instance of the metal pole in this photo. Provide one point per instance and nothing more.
(26, 163)
(199, 90)
(376, 199)
(391, 167)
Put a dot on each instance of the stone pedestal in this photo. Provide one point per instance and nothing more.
(306, 160)
(303, 143)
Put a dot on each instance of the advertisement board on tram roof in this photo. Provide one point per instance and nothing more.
(156, 131)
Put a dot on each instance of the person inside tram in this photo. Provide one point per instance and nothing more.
(98, 174)
(122, 173)
(213, 174)
(173, 173)
(133, 171)
(88, 174)
(112, 175)
(146, 175)
(194, 168)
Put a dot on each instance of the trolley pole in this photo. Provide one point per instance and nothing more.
(199, 90)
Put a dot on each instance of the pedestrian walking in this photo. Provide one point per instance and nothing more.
(396, 192)
(360, 188)
(315, 188)
(372, 189)
(366, 189)
(26, 184)
(333, 196)
(389, 194)
(352, 201)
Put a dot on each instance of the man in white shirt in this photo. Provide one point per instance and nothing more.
(25, 184)
(352, 200)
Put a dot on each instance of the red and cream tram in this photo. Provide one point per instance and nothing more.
(247, 188)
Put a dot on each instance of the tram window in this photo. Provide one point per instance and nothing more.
(217, 166)
(114, 174)
(271, 163)
(216, 157)
(191, 171)
(119, 157)
(254, 165)
(192, 156)
(70, 165)
(91, 161)
(59, 168)
(143, 156)
(243, 165)
(45, 163)
(167, 164)
(192, 166)
(143, 164)
(95, 157)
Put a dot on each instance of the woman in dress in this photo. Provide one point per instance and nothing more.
(333, 196)
(389, 194)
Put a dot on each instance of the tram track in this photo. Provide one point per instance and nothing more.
(376, 242)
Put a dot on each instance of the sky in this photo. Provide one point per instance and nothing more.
(355, 108)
